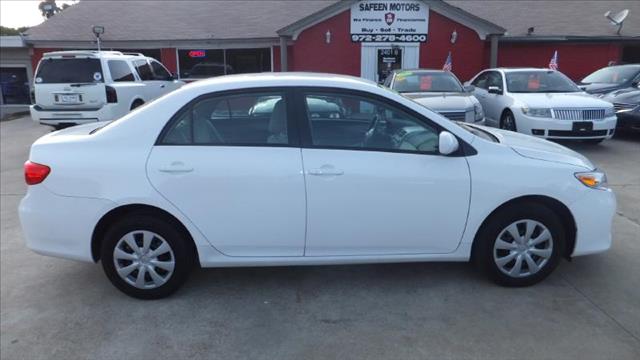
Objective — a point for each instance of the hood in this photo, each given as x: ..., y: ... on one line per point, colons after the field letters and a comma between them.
x: 628, y: 96
x: 598, y: 88
x: 560, y: 100
x: 439, y: 101
x: 540, y: 149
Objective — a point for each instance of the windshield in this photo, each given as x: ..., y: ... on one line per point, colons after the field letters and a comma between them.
x: 539, y: 82
x: 410, y: 81
x: 612, y: 75
x: 57, y: 71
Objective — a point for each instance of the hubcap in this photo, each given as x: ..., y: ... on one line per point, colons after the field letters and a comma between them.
x: 508, y: 123
x: 144, y: 259
x: 523, y: 248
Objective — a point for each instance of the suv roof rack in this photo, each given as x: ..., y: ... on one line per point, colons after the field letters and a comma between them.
x: 132, y: 54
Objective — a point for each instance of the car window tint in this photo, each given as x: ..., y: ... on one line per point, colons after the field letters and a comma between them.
x: 358, y: 122
x: 76, y: 70
x: 180, y: 132
x: 494, y: 79
x: 481, y: 81
x: 143, y: 69
x: 159, y: 71
x: 120, y: 71
x: 247, y: 119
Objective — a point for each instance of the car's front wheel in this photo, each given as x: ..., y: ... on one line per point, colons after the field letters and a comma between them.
x: 146, y: 257
x: 520, y: 245
x: 508, y: 121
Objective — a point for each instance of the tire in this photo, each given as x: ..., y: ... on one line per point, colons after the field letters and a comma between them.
x: 508, y: 121
x: 498, y: 261
x: 136, y: 104
x: 62, y: 126
x: 136, y: 264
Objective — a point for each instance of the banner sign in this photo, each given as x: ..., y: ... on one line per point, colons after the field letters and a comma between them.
x: 389, y: 21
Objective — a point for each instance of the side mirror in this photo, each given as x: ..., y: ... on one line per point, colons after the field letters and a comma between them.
x: 447, y: 143
x: 469, y: 88
x: 494, y: 90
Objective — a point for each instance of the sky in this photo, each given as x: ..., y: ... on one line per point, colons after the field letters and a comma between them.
x: 18, y: 13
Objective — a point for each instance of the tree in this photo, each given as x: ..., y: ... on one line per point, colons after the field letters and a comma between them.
x: 49, y: 8
x: 6, y: 31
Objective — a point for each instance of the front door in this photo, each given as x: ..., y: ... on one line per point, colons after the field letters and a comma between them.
x: 229, y: 162
x: 375, y: 182
x: 389, y: 59
x: 378, y: 60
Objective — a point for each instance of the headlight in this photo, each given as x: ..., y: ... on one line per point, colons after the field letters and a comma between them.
x: 537, y: 112
x: 593, y: 179
x: 609, y: 112
x: 478, y: 112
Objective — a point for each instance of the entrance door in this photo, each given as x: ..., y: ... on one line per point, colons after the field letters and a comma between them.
x: 378, y: 60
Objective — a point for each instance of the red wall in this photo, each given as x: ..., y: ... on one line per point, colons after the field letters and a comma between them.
x: 468, y: 55
x: 312, y: 53
x: 576, y: 60
x: 168, y: 58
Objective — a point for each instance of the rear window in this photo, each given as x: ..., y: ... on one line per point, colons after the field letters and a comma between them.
x: 56, y: 71
x: 120, y: 71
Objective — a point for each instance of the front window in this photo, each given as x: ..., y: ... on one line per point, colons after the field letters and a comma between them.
x: 355, y: 122
x: 159, y: 71
x: 408, y: 81
x: 539, y: 82
x: 204, y: 63
x: 613, y: 75
x: 144, y: 70
x: 73, y: 70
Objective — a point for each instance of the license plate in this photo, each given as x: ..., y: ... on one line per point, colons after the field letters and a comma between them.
x: 582, y: 126
x: 68, y: 98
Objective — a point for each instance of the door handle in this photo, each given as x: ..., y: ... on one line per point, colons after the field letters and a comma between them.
x: 176, y: 168
x: 325, y: 172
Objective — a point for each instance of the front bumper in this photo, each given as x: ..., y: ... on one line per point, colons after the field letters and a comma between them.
x: 593, y: 215
x: 563, y: 129
x: 60, y: 226
x: 73, y: 116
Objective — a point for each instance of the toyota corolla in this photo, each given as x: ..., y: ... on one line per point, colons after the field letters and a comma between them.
x: 306, y: 169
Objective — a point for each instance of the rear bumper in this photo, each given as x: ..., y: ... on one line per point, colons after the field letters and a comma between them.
x: 60, y: 226
x: 73, y: 116
x: 563, y: 129
x: 594, y: 221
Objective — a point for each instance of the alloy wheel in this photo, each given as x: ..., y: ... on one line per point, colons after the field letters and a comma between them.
x: 523, y: 248
x: 144, y: 259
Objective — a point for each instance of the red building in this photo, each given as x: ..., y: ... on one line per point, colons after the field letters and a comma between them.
x: 361, y: 38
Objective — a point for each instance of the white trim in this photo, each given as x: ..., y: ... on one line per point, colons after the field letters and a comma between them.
x: 271, y: 47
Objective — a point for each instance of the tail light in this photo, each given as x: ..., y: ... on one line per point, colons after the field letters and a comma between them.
x: 35, y: 173
x: 112, y: 95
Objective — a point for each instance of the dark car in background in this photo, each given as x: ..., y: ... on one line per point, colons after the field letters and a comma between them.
x: 611, y: 78
x: 626, y: 102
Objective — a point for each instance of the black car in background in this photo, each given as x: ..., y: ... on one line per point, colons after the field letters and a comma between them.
x: 626, y: 102
x: 611, y: 78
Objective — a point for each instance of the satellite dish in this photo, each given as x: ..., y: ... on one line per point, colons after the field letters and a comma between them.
x: 617, y: 19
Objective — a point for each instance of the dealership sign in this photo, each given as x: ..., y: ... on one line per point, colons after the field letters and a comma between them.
x: 389, y: 21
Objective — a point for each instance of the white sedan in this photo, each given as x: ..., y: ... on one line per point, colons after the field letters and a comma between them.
x: 304, y: 169
x: 543, y: 103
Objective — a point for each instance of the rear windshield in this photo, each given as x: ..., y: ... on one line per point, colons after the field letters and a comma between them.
x: 56, y: 71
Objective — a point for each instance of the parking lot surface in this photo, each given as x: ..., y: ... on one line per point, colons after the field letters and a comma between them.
x: 587, y: 309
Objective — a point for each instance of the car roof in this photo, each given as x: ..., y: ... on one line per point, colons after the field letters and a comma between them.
x: 280, y: 79
x: 95, y: 54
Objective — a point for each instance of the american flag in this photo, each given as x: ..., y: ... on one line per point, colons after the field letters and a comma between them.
x: 447, y: 64
x: 553, y: 64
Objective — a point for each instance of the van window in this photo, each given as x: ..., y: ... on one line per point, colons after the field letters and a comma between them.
x: 75, y: 70
x: 120, y: 71
x: 143, y: 69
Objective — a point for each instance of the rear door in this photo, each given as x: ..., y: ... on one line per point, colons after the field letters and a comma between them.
x: 230, y: 162
x: 70, y: 82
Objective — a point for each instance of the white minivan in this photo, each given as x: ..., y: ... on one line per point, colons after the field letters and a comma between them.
x: 83, y: 86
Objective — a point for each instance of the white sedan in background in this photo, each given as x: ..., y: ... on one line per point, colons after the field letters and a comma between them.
x: 306, y: 169
x: 543, y: 103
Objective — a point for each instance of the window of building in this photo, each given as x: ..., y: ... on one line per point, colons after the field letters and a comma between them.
x: 120, y: 71
x: 15, y: 85
x: 204, y: 63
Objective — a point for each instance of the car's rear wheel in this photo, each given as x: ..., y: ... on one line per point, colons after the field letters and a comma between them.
x: 146, y: 257
x: 136, y: 104
x: 508, y: 121
x: 520, y: 245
